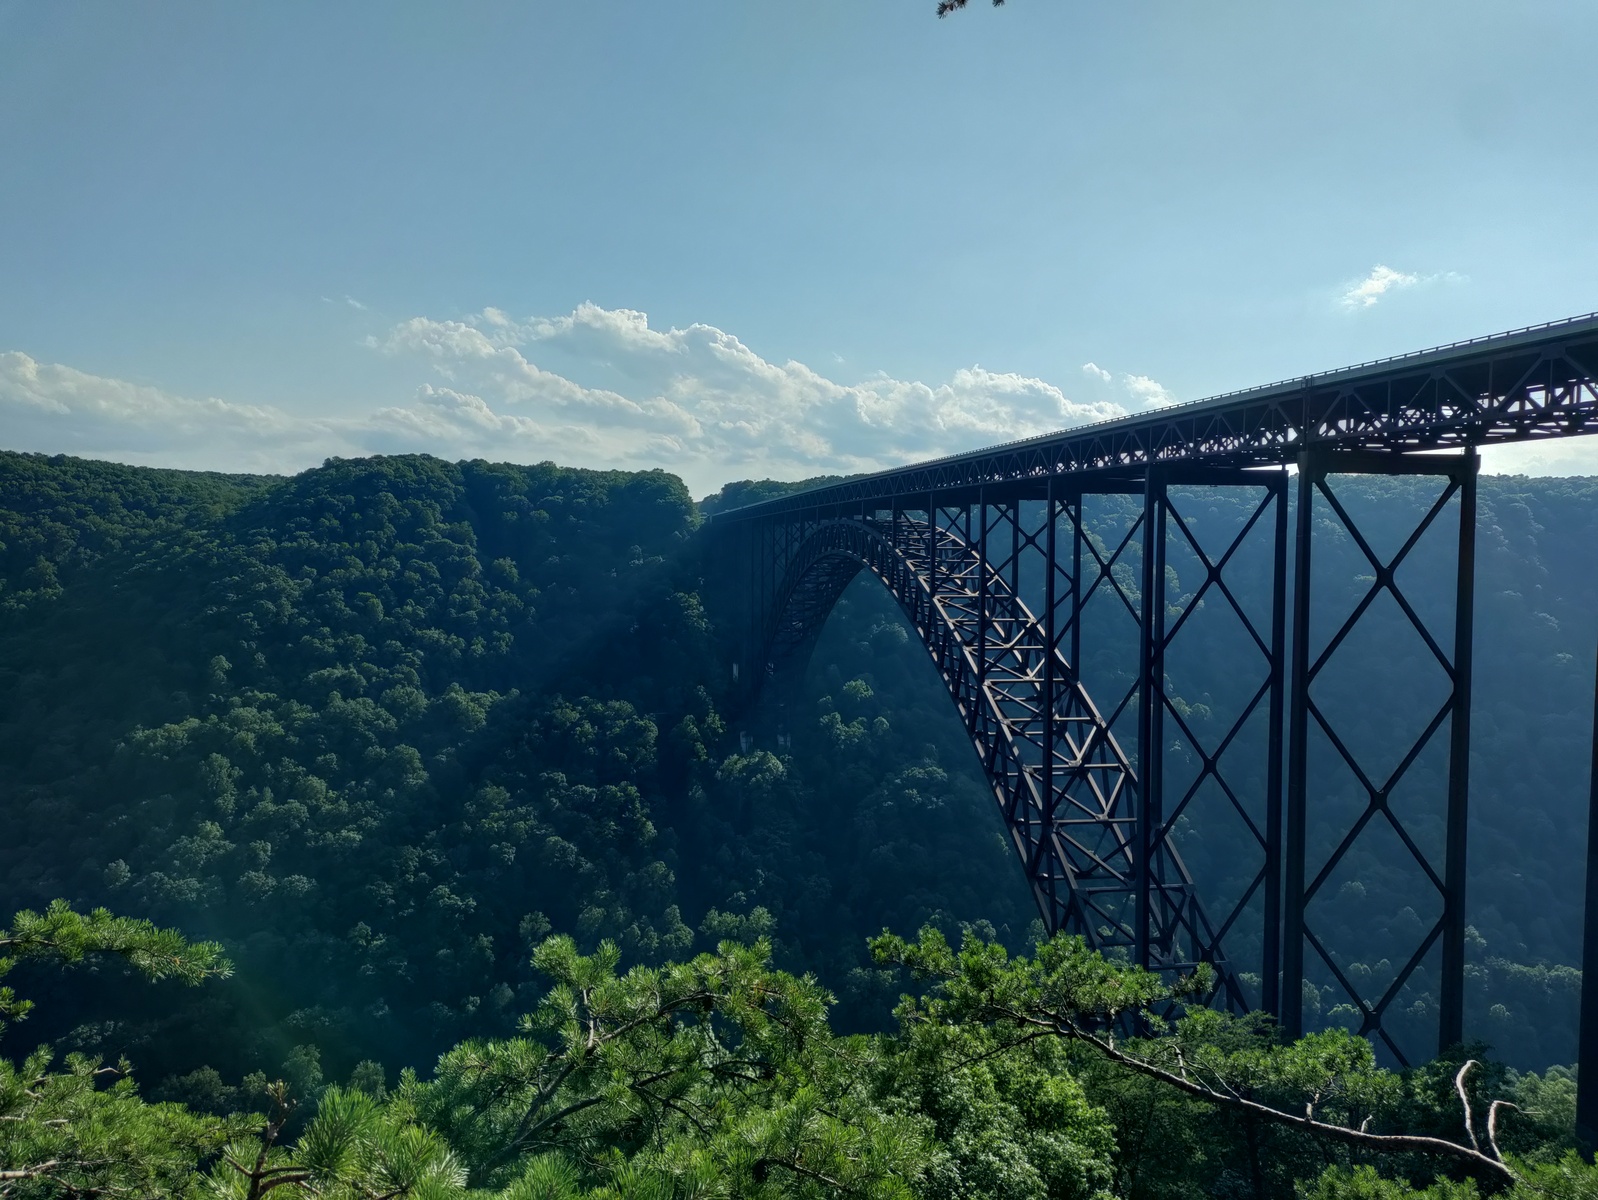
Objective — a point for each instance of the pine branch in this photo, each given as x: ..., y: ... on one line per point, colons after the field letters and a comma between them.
x: 945, y: 7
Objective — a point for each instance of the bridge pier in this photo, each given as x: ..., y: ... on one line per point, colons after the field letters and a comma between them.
x: 1165, y: 619
x: 1151, y: 719
x: 1459, y: 475
x: 1587, y: 1047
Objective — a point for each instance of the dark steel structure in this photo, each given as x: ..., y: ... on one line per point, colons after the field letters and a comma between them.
x: 993, y: 560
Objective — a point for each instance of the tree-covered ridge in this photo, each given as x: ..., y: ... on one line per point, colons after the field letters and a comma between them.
x: 341, y: 729
x: 62, y: 514
x: 383, y: 727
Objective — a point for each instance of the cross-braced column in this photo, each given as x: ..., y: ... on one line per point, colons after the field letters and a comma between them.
x: 1226, y: 754
x: 1311, y: 724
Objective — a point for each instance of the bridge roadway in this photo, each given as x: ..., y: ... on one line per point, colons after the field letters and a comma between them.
x: 1536, y: 382
x: 992, y: 558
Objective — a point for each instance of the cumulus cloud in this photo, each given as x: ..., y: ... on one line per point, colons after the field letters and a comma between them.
x: 1146, y: 392
x: 699, y: 401
x: 1133, y: 393
x: 1382, y: 279
x: 695, y: 400
x: 46, y: 406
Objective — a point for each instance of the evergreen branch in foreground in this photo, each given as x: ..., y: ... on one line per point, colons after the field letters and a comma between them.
x: 1071, y: 992
x: 62, y: 935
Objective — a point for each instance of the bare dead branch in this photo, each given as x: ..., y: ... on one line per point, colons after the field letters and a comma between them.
x: 1464, y: 1101
x: 1492, y: 1125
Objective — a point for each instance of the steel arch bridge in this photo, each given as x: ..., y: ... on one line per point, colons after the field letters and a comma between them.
x: 993, y: 557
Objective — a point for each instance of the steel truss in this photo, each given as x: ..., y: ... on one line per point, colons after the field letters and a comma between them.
x: 998, y: 605
x: 1099, y: 843
x: 1064, y: 786
x: 1163, y: 721
x: 1447, y: 877
x: 957, y: 542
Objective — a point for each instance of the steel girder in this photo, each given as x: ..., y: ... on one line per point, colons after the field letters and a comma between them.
x: 1097, y: 829
x: 1540, y: 382
x: 1066, y: 790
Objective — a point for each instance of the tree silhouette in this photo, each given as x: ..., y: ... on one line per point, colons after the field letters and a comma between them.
x: 945, y: 7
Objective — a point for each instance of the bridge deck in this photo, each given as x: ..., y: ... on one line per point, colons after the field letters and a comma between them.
x: 1537, y: 382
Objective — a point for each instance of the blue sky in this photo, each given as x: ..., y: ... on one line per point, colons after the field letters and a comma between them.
x: 736, y: 238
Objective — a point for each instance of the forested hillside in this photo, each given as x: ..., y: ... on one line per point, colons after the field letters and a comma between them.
x: 383, y: 728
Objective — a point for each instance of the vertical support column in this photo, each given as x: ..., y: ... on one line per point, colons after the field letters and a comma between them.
x: 1292, y: 998
x: 896, y: 535
x: 932, y: 589
x: 1451, y: 1007
x: 1587, y: 1051
x: 762, y: 562
x: 1015, y: 548
x: 1271, y: 965
x: 1050, y: 686
x: 1151, y: 714
x: 982, y: 590
x: 1076, y: 584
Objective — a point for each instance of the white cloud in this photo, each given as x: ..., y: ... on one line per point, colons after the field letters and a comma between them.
x: 699, y: 401
x: 1136, y: 392
x: 694, y: 400
x: 46, y: 406
x: 1146, y: 392
x: 1364, y: 293
x: 1381, y: 280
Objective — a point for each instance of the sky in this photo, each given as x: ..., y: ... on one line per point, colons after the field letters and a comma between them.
x: 744, y: 238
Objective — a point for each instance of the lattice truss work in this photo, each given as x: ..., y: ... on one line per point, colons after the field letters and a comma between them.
x: 1442, y: 867
x: 998, y: 601
x: 1232, y: 763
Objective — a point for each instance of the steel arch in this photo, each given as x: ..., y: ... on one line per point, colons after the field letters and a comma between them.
x: 1066, y: 790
